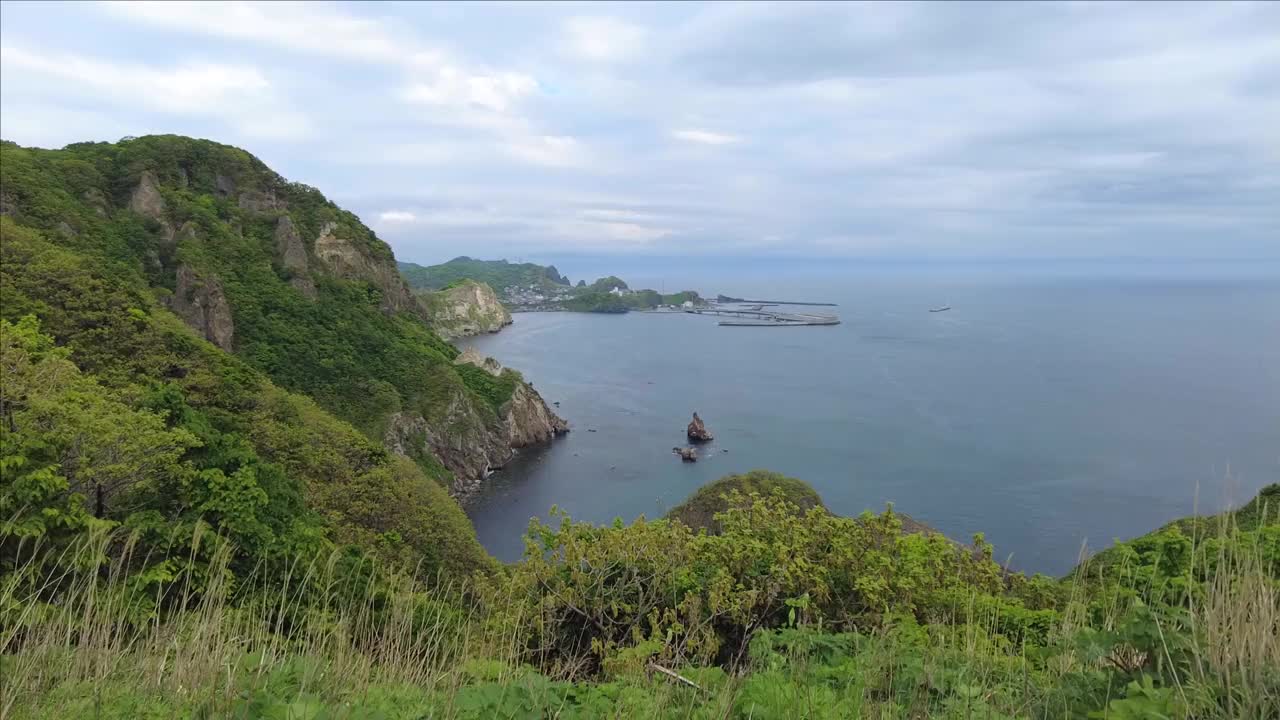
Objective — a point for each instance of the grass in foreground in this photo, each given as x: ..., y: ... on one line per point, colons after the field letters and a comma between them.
x: 339, y: 638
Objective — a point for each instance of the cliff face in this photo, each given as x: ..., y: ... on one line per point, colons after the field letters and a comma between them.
x: 295, y: 286
x: 346, y: 259
x: 471, y: 441
x: 529, y: 420
x: 464, y: 309
x: 526, y: 419
x: 202, y: 304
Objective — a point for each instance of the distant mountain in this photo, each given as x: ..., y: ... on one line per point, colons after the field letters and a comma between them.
x: 498, y: 274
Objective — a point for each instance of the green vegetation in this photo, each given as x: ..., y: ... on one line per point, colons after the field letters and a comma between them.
x: 341, y: 348
x: 498, y: 274
x: 605, y: 284
x: 125, y: 418
x: 699, y: 510
x: 244, y: 449
x: 495, y: 390
x: 187, y: 531
x: 597, y: 302
x: 607, y: 302
x: 784, y: 613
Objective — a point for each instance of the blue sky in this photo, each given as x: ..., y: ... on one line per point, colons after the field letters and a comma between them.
x: 543, y: 131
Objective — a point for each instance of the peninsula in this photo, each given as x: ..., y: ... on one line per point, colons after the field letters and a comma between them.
x: 527, y: 287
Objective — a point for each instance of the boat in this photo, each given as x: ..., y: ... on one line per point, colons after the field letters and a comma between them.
x: 944, y: 308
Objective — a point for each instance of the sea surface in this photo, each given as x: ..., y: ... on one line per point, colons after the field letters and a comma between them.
x: 1045, y: 411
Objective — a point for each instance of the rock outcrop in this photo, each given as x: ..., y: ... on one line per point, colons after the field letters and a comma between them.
x: 342, y: 257
x: 457, y: 436
x: 697, y: 431
x: 472, y: 356
x: 526, y: 417
x: 293, y: 256
x: 464, y: 309
x: 261, y: 201
x: 687, y: 454
x: 202, y: 304
x: 529, y: 421
x: 469, y: 445
x: 223, y: 185
x: 97, y: 200
x: 147, y: 201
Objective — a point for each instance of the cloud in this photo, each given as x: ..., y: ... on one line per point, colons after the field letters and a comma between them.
x: 705, y: 137
x: 550, y: 150
x: 237, y: 94
x: 602, y: 39
x: 396, y: 216
x: 438, y: 81
x: 978, y: 130
x: 306, y: 27
x: 433, y: 76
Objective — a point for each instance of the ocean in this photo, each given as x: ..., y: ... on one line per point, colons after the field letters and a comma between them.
x: 1047, y: 411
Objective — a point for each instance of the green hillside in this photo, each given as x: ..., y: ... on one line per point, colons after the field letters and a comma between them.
x: 498, y: 274
x: 192, y: 283
x: 297, y: 288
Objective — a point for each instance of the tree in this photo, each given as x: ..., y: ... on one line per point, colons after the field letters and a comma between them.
x: 72, y: 452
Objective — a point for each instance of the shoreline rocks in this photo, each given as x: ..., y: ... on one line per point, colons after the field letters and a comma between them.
x: 687, y: 454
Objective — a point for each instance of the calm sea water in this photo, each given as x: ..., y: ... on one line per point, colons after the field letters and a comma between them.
x: 1043, y: 411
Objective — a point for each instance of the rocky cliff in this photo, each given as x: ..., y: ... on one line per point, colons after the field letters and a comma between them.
x: 465, y: 308
x: 474, y: 440
x: 525, y: 415
x: 297, y: 287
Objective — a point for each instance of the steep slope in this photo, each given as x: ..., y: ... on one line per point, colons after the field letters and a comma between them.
x: 464, y: 308
x: 496, y: 273
x: 273, y: 272
x: 270, y: 468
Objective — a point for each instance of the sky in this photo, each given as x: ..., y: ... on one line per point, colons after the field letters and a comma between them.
x: 892, y: 131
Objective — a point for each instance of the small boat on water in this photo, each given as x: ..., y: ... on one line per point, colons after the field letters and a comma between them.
x: 944, y: 308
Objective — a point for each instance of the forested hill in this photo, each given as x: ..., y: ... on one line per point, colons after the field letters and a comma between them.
x: 498, y: 274
x: 120, y: 260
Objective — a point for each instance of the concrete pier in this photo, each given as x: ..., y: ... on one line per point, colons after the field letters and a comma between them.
x: 758, y: 317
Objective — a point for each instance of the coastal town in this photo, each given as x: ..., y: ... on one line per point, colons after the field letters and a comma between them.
x: 534, y: 296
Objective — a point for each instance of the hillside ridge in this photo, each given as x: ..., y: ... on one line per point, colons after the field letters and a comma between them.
x: 275, y: 273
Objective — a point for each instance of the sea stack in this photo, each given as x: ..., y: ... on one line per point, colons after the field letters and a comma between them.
x: 687, y: 454
x: 697, y: 432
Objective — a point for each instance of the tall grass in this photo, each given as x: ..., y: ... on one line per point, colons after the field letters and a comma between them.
x: 114, y: 633
x: 193, y: 631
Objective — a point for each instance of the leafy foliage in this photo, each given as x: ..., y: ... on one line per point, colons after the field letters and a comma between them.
x: 699, y: 510
x: 167, y: 427
x: 351, y: 641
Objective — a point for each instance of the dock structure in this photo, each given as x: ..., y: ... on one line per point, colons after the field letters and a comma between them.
x: 757, y: 317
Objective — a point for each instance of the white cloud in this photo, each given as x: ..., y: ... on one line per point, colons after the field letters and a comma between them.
x: 237, y: 94
x: 308, y: 27
x: 449, y: 86
x: 551, y: 150
x: 705, y: 137
x: 432, y: 77
x: 615, y: 214
x: 397, y: 216
x: 602, y: 39
x: 608, y: 235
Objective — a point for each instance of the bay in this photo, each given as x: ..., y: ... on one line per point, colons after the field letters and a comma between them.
x: 1044, y: 411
